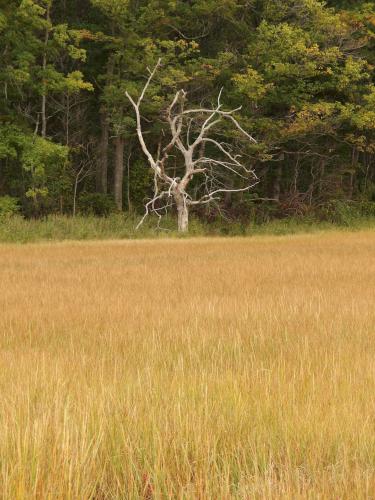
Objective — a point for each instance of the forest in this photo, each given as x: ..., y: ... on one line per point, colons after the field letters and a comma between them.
x: 233, y: 109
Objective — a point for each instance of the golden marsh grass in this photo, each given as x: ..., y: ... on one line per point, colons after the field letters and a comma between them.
x: 189, y: 369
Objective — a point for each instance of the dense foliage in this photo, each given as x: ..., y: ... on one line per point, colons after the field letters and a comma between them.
x: 302, y: 70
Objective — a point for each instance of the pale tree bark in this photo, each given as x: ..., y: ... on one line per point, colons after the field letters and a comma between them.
x: 119, y: 171
x: 191, y: 130
x: 182, y: 213
x: 296, y: 175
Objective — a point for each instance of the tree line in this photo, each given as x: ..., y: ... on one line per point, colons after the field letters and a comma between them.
x: 277, y: 98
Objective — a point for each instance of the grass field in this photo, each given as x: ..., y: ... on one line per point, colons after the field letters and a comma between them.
x: 123, y: 226
x: 197, y: 369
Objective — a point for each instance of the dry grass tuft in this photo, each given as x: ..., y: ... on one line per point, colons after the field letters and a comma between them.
x: 197, y: 369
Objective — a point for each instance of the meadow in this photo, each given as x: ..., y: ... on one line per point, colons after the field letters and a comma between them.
x: 202, y: 368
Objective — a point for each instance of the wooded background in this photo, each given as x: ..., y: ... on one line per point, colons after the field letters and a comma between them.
x: 302, y: 70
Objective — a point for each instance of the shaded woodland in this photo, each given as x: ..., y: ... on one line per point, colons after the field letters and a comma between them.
x: 298, y: 73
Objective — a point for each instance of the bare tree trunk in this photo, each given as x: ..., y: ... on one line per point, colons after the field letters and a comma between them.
x: 130, y: 207
x: 44, y: 66
x: 44, y: 119
x: 351, y: 186
x: 182, y: 213
x: 75, y: 194
x: 355, y: 156
x: 228, y: 195
x: 296, y: 175
x: 321, y: 176
x: 67, y: 120
x: 277, y: 182
x: 119, y: 171
x: 367, y: 163
x: 183, y: 218
x: 102, y: 165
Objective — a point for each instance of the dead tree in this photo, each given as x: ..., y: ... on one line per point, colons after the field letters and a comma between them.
x: 191, y: 133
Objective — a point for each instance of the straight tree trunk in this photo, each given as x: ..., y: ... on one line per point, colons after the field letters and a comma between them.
x: 277, y: 182
x: 182, y: 214
x: 321, y: 176
x: 44, y: 66
x: 44, y: 118
x: 228, y: 195
x: 119, y: 171
x: 75, y: 196
x: 102, y: 164
x: 67, y: 119
x: 130, y: 207
x: 355, y: 157
x: 296, y: 175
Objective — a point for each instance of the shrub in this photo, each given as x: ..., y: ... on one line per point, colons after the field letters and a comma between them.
x: 347, y: 213
x: 8, y: 206
x: 367, y: 208
x: 98, y: 204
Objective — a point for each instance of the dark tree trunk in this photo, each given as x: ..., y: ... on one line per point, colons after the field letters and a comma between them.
x: 119, y: 171
x: 321, y: 176
x: 355, y: 157
x: 296, y: 175
x: 228, y: 195
x: 44, y: 66
x: 277, y: 182
x: 102, y: 164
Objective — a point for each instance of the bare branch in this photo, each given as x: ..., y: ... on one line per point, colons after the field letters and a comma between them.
x: 182, y: 124
x: 136, y: 106
x: 210, y: 196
